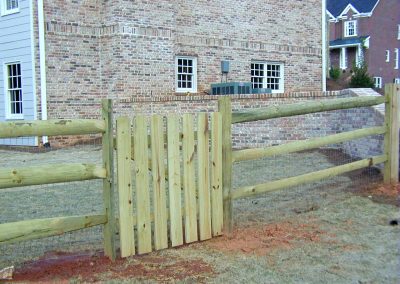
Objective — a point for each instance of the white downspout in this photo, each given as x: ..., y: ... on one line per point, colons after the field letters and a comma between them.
x: 42, y: 64
x: 324, y: 45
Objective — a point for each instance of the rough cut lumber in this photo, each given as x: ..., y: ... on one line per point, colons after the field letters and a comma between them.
x: 53, y: 173
x: 174, y: 181
x: 225, y: 108
x: 305, y: 108
x: 216, y: 174
x: 41, y: 228
x: 51, y: 127
x: 251, y: 154
x: 203, y: 177
x: 189, y: 179
x: 124, y: 182
x: 142, y: 186
x: 391, y: 140
x: 159, y: 191
x: 109, y: 230
x: 306, y: 178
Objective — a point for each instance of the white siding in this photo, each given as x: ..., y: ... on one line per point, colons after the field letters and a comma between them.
x: 16, y: 46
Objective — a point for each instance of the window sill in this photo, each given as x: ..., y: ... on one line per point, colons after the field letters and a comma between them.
x: 11, y: 118
x: 9, y: 12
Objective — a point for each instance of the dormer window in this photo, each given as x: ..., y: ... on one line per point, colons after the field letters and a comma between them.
x: 350, y: 28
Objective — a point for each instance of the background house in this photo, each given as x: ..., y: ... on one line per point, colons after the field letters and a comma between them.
x: 366, y: 30
x: 60, y: 58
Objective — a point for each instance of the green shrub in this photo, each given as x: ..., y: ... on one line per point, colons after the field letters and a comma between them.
x: 360, y: 77
x: 334, y: 73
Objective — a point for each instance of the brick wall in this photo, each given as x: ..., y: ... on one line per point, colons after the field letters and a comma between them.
x: 126, y: 49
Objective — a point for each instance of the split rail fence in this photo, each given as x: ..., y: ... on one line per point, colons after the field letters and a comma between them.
x: 183, y: 178
x: 390, y: 155
x: 60, y: 173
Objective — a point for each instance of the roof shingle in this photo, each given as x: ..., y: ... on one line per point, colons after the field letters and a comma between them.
x: 336, y: 7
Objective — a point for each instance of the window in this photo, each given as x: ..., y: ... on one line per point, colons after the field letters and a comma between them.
x: 350, y: 28
x: 378, y: 82
x: 13, y: 87
x: 186, y: 74
x: 268, y: 75
x: 397, y: 80
x: 398, y: 32
x: 387, y: 55
x: 396, y: 58
x: 9, y: 7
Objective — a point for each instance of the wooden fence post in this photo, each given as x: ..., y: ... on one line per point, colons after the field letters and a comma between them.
x: 109, y: 230
x: 391, y: 140
x: 225, y: 108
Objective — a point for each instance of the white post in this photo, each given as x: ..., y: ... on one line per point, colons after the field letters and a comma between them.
x: 343, y: 58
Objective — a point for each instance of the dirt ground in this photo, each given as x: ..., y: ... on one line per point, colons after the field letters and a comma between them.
x: 341, y: 230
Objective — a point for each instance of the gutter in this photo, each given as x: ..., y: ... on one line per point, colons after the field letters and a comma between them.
x: 324, y: 49
x: 42, y: 64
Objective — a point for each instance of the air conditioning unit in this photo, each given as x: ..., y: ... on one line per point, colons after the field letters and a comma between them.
x: 231, y: 88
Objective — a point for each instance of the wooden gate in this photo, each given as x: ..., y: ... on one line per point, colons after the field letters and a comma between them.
x: 169, y: 180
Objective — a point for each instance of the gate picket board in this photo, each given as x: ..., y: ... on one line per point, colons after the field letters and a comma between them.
x: 176, y: 207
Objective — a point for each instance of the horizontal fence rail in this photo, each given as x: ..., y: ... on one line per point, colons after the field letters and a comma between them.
x: 286, y: 110
x: 306, y: 178
x: 54, y: 173
x: 51, y: 127
x: 41, y: 228
x: 251, y: 154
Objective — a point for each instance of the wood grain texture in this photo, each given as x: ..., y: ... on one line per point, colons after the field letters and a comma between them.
x: 159, y: 190
x: 142, y: 185
x: 189, y: 179
x: 124, y: 182
x: 203, y: 177
x: 110, y: 228
x: 306, y: 178
x: 42, y: 228
x: 51, y: 127
x: 225, y: 108
x: 216, y: 174
x: 174, y: 181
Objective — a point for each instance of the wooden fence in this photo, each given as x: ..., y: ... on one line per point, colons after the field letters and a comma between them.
x: 168, y: 195
x: 45, y: 174
x: 390, y: 155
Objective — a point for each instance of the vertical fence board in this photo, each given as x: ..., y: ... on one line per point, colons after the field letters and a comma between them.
x: 216, y: 174
x: 394, y: 135
x: 142, y: 185
x: 387, y: 137
x: 225, y: 108
x: 189, y: 179
x: 124, y: 178
x: 109, y: 230
x: 203, y: 177
x: 159, y: 196
x: 174, y: 181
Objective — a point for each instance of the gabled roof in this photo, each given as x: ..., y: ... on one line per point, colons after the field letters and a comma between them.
x: 336, y: 7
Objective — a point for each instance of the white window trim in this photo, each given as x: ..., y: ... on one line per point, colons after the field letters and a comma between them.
x: 387, y: 55
x: 397, y: 81
x: 4, y: 11
x: 193, y: 89
x: 282, y: 77
x: 378, y: 82
x: 346, y: 28
x: 396, y: 58
x: 398, y: 32
x: 8, y: 113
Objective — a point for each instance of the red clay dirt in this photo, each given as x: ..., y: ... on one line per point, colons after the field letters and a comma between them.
x: 62, y: 267
x: 382, y: 193
x: 260, y: 240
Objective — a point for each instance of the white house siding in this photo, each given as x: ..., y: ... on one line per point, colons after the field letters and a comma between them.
x: 16, y: 46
